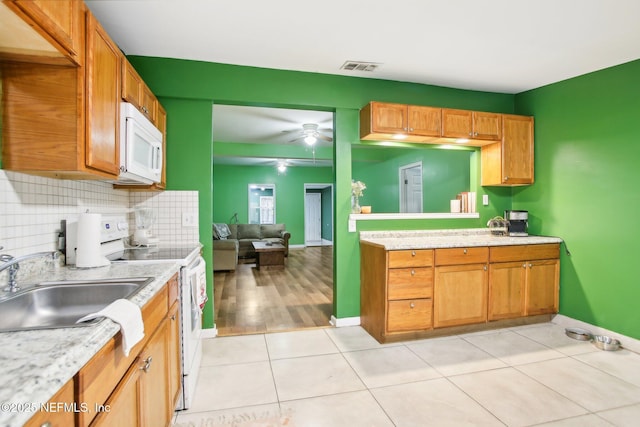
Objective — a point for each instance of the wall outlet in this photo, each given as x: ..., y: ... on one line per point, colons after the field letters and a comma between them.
x: 189, y: 219
x: 485, y: 200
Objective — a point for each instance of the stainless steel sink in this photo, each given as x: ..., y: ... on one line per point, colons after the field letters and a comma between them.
x: 60, y: 304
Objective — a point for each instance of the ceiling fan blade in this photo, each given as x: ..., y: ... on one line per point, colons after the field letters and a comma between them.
x: 296, y: 139
x: 324, y: 138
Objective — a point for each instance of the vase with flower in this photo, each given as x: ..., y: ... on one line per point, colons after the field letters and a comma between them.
x: 357, y: 189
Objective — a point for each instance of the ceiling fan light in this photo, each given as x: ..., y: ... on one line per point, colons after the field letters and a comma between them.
x: 282, y: 167
x: 310, y: 139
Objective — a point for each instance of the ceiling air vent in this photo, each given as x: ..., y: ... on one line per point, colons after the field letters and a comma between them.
x: 360, y: 66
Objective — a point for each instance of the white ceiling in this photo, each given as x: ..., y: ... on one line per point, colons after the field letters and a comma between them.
x: 493, y: 45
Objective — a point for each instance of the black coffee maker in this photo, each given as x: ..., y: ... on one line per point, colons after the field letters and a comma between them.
x: 518, y: 223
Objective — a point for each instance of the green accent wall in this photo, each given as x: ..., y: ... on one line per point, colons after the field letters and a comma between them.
x: 230, y: 193
x: 189, y: 154
x: 587, y: 148
x: 198, y: 83
x: 445, y: 173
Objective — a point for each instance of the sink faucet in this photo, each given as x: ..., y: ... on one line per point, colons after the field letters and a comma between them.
x: 13, y: 265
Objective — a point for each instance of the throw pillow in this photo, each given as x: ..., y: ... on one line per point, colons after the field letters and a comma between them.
x: 222, y: 230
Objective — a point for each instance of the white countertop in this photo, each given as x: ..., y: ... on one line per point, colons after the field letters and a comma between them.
x: 455, y: 238
x: 34, y: 365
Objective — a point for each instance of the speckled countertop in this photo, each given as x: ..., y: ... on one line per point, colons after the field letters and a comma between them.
x: 35, y: 364
x: 455, y: 238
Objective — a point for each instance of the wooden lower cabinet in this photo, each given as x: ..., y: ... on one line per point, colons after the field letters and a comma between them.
x: 507, y: 290
x: 524, y: 281
x: 138, y: 389
x: 396, y: 291
x: 154, y: 380
x: 460, y: 295
x: 422, y: 292
x: 123, y: 403
x: 57, y: 416
x: 542, y: 287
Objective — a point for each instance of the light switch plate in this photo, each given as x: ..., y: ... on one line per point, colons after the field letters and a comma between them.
x: 485, y: 200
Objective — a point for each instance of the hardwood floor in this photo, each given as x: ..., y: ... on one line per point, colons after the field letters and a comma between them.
x: 250, y: 301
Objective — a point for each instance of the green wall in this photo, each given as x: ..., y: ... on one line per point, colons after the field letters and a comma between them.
x: 189, y: 154
x: 230, y: 184
x: 587, y: 148
x: 445, y: 173
x: 200, y: 82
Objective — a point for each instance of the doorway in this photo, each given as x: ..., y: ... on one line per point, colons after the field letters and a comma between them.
x: 318, y: 214
x: 410, y: 181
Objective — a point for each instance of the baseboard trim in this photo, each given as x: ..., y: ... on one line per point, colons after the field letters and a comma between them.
x: 209, y: 333
x: 297, y: 246
x: 344, y: 321
x: 568, y: 322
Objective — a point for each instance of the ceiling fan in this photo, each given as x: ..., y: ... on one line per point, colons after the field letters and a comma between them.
x: 310, y: 134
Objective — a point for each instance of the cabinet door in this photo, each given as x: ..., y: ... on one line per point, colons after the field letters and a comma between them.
x: 506, y: 290
x: 173, y: 354
x: 131, y: 84
x: 460, y: 295
x: 517, y: 149
x: 60, y: 19
x: 542, y: 287
x: 149, y: 103
x: 103, y: 100
x: 388, y: 118
x: 154, y: 380
x: 456, y: 123
x: 60, y: 418
x: 122, y: 407
x: 426, y: 121
x: 487, y: 126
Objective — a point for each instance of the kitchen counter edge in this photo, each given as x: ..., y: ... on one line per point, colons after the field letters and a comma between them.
x: 435, y: 239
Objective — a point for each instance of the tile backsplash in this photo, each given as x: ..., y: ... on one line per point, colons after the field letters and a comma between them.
x: 32, y: 208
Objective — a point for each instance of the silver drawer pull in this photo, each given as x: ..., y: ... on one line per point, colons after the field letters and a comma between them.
x: 412, y: 305
x: 413, y: 253
x: 524, y: 265
x: 413, y: 272
x: 464, y: 251
x: 147, y: 364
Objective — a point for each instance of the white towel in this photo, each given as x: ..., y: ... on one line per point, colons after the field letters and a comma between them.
x: 128, y: 316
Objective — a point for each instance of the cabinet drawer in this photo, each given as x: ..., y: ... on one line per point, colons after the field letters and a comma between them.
x: 411, y: 258
x: 404, y: 283
x: 409, y: 315
x: 456, y: 256
x: 524, y: 252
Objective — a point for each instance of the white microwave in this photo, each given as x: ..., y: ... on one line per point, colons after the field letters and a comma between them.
x: 141, y: 153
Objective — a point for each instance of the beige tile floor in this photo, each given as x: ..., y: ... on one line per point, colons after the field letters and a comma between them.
x: 525, y: 376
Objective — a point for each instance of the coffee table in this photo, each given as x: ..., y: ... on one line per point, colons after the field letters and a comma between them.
x: 269, y: 256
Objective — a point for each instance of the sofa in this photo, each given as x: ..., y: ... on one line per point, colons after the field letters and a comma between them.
x: 233, y: 241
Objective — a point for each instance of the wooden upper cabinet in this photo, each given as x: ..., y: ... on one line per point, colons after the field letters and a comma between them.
x: 510, y: 162
x: 411, y: 123
x: 103, y: 100
x: 135, y: 91
x: 456, y: 123
x: 487, y: 126
x: 384, y: 118
x: 426, y: 121
x: 471, y: 124
x: 58, y: 21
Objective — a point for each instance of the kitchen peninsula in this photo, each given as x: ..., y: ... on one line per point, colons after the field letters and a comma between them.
x: 416, y: 284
